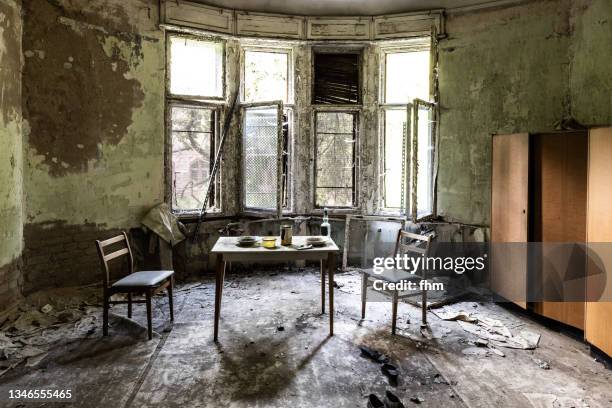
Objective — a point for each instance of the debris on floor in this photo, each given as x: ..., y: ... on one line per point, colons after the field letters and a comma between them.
x: 491, y: 333
x: 43, y: 319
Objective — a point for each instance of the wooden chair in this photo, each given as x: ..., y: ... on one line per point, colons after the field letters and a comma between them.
x: 147, y: 282
x: 411, y: 245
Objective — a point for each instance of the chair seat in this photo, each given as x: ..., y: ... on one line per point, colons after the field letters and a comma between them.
x: 143, y: 278
x: 392, y: 275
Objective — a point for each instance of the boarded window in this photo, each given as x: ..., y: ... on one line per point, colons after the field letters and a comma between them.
x: 193, y: 139
x: 335, y: 159
x: 336, y: 78
x: 266, y: 76
x: 196, y: 67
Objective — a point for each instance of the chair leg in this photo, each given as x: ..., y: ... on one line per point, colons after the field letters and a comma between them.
x: 129, y: 305
x: 170, y: 300
x: 149, y: 316
x: 105, y: 307
x: 394, y: 312
x: 364, y: 293
x: 424, y: 301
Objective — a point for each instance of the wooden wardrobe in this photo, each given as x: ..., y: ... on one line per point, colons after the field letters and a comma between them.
x: 554, y: 188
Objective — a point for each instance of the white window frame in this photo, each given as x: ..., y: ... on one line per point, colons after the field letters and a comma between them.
x: 245, y: 210
x: 411, y: 170
x: 356, y: 111
x: 290, y: 71
x: 215, y: 206
x: 169, y: 93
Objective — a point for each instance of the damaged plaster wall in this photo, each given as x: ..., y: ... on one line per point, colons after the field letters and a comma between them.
x: 501, y: 71
x: 11, y: 174
x: 516, y: 69
x: 93, y: 103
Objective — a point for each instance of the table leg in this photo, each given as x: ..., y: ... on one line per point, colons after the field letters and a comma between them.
x: 220, y: 275
x: 331, y: 265
x: 322, y: 286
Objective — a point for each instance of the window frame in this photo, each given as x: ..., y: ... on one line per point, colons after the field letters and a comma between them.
x: 257, y: 211
x: 433, y: 107
x: 405, y: 210
x: 216, y: 206
x: 419, y: 44
x: 356, y: 112
x: 415, y: 45
x: 273, y: 50
x: 222, y: 42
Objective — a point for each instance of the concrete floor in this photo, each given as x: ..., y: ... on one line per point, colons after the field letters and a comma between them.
x: 257, y: 364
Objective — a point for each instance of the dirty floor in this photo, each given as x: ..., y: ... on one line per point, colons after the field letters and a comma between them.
x: 274, y: 351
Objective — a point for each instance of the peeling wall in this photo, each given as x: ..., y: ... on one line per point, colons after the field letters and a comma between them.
x: 591, y: 73
x: 11, y: 175
x: 93, y: 97
x: 516, y: 69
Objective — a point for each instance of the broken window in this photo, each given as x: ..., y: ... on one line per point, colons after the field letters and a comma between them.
x: 335, y: 159
x: 263, y: 157
x: 266, y: 76
x: 193, y: 144
x: 196, y: 67
x: 336, y: 78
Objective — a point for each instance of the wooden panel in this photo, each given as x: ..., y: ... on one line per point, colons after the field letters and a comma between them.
x: 263, y: 25
x: 406, y: 25
x: 189, y: 14
x: 354, y: 28
x: 559, y: 177
x: 598, y: 325
x: 509, y: 200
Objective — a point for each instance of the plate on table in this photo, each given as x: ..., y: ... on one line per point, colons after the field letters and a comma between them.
x: 316, y: 241
x: 246, y: 241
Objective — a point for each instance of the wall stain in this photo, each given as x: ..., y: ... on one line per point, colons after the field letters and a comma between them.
x: 78, y: 96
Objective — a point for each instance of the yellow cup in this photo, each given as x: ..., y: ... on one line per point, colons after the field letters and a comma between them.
x: 269, y: 242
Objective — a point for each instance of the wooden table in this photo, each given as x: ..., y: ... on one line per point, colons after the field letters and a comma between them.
x: 226, y: 250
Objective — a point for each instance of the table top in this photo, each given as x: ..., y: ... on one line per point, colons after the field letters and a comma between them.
x: 228, y: 245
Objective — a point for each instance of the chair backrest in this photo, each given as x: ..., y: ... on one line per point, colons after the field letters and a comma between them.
x: 106, y: 257
x: 412, y: 244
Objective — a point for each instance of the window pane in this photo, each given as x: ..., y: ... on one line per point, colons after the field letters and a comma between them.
x: 265, y: 76
x: 425, y: 158
x: 394, y: 156
x: 260, y: 157
x: 406, y: 76
x: 196, y: 67
x: 192, y: 134
x: 335, y: 141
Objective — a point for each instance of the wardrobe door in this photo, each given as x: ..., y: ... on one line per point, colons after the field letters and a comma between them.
x: 509, y: 212
x: 598, y: 327
x: 559, y: 180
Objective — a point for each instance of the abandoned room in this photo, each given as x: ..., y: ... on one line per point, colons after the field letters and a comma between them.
x: 306, y: 203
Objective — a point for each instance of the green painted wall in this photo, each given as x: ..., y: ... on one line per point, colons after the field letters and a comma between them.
x: 591, y: 69
x: 501, y: 71
x: 93, y: 91
x: 11, y: 175
x: 517, y: 69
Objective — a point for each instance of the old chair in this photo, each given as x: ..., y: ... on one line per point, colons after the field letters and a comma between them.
x: 147, y: 282
x: 411, y: 245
